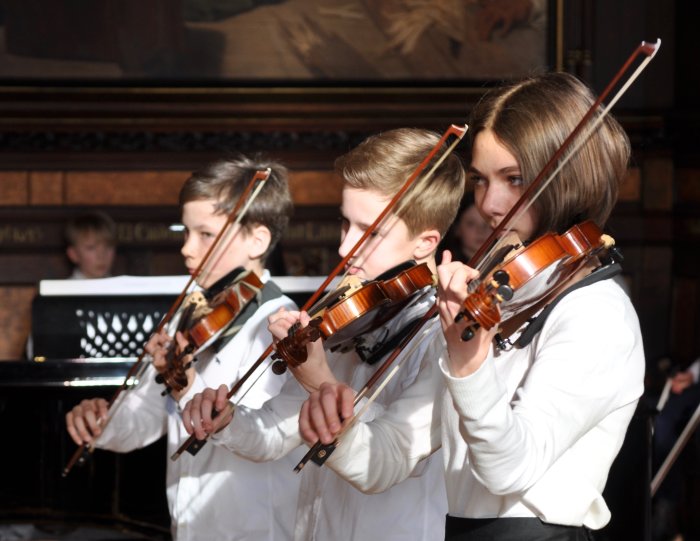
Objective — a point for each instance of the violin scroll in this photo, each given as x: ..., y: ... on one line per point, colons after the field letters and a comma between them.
x: 482, y: 305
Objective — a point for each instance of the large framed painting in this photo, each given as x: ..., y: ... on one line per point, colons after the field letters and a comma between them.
x: 299, y: 76
x: 290, y: 42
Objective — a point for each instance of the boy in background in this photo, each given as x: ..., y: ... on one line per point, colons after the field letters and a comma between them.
x: 216, y: 494
x: 91, y: 240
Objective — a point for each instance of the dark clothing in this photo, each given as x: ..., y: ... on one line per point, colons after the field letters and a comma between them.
x: 511, y: 529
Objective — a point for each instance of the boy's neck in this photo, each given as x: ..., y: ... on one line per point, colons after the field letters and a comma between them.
x: 256, y: 266
x: 432, y: 265
x: 226, y: 280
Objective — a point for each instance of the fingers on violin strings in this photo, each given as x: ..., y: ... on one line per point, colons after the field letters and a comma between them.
x: 280, y: 322
x: 446, y: 257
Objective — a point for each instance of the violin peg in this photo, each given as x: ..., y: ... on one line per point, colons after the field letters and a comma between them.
x: 505, y: 292
x: 279, y: 367
x: 501, y: 277
x: 469, y: 332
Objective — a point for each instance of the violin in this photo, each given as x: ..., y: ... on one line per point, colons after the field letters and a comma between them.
x: 350, y: 316
x: 532, y: 274
x: 201, y: 333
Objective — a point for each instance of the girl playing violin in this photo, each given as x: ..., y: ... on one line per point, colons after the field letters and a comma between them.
x: 329, y: 507
x: 215, y: 495
x: 529, y: 430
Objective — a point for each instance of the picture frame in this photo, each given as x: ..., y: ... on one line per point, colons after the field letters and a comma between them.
x: 123, y: 65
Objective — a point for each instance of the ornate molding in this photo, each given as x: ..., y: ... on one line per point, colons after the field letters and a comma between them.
x: 176, y: 142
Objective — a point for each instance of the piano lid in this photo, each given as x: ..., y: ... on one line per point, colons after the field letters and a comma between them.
x: 65, y: 373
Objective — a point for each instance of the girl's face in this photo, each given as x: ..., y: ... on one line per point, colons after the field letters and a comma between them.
x: 498, y: 184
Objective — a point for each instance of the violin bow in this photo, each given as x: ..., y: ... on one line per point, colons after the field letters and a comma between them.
x: 319, y: 452
x: 537, y: 186
x: 250, y: 192
x: 192, y: 444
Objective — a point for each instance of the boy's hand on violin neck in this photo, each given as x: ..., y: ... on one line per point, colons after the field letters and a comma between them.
x: 207, y: 412
x: 321, y: 416
x: 281, y: 321
x: 158, y: 344
x: 312, y: 373
x: 186, y: 360
x: 315, y: 370
x: 84, y: 420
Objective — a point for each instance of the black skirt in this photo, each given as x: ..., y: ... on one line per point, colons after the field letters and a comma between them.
x: 511, y: 529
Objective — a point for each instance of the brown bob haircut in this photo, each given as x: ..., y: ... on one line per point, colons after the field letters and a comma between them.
x: 532, y: 118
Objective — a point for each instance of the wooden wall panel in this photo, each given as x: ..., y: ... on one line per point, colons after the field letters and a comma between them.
x: 631, y: 187
x: 15, y: 318
x: 124, y: 187
x: 46, y: 187
x: 658, y: 183
x: 14, y: 188
x: 688, y: 186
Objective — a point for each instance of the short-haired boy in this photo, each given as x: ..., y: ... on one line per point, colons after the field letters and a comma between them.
x: 91, y: 238
x: 329, y: 507
x: 215, y: 495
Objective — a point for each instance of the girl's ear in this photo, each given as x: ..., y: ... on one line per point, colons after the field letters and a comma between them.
x: 426, y: 244
x: 259, y: 241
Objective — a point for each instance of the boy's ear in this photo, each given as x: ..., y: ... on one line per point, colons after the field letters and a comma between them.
x: 259, y: 238
x: 426, y: 244
x: 72, y: 254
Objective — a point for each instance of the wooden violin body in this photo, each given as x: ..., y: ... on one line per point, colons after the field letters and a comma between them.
x: 354, y: 314
x: 531, y: 274
x: 225, y: 308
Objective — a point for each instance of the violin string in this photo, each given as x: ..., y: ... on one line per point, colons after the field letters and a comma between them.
x: 581, y: 140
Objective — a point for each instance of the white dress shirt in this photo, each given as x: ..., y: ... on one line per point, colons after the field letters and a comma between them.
x: 329, y: 508
x: 534, y: 431
x: 214, y: 495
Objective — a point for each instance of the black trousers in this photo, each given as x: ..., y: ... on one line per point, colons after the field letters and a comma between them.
x: 511, y: 529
